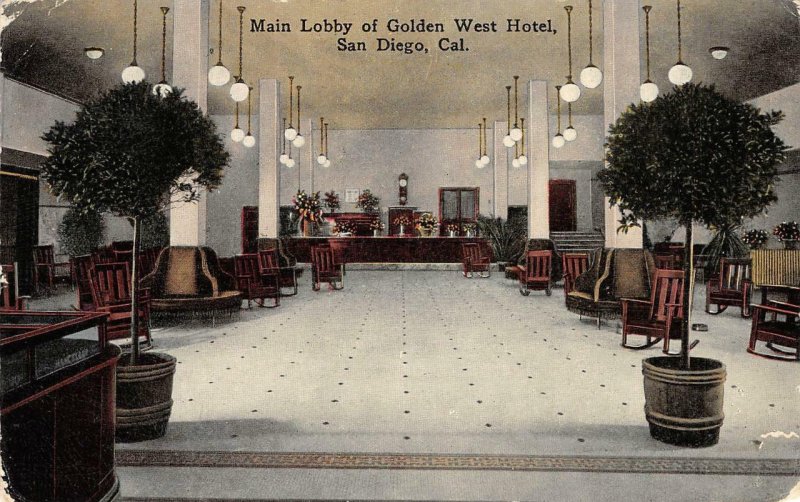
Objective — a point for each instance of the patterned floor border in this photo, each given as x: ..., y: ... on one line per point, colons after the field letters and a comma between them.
x: 469, y: 462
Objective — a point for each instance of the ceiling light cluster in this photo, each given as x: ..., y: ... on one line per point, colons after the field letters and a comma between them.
x: 322, y: 158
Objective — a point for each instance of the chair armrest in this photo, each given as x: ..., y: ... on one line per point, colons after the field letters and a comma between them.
x: 779, y: 310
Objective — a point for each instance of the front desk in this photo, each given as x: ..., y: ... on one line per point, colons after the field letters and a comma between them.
x: 390, y: 249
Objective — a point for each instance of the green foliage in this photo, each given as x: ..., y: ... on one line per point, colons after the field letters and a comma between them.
x: 725, y: 243
x: 692, y: 155
x: 80, y: 233
x: 155, y: 231
x: 507, y: 236
x: 128, y: 150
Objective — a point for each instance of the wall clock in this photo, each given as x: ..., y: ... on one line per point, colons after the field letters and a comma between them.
x: 402, y: 182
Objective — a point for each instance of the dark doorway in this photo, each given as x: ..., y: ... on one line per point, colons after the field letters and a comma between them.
x: 19, y: 220
x: 249, y: 229
x: 563, y: 217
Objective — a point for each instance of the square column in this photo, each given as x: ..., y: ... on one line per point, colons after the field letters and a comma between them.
x: 190, y: 71
x: 537, y: 142
x: 621, y: 80
x: 500, y: 165
x: 269, y: 147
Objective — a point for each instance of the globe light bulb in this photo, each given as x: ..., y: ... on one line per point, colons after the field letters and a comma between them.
x: 299, y: 141
x: 289, y: 162
x: 237, y: 135
x: 290, y: 133
x: 523, y: 160
x: 479, y: 164
x: 648, y: 91
x: 591, y: 76
x: 508, y: 141
x: 162, y: 89
x: 516, y: 134
x: 283, y: 158
x: 680, y: 74
x: 558, y: 140
x: 515, y: 163
x: 570, y: 133
x: 321, y: 159
x: 132, y: 74
x: 570, y: 92
x: 328, y: 163
x: 485, y: 160
x: 249, y: 141
x: 239, y: 91
x: 218, y: 75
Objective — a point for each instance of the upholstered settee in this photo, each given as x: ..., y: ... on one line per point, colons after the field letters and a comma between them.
x: 613, y: 274
x: 188, y: 281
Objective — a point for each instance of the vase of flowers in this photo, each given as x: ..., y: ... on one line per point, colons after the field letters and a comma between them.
x: 469, y: 229
x: 376, y: 226
x: 309, y: 210
x: 332, y: 201
x: 426, y: 223
x: 755, y: 239
x: 452, y: 230
x: 788, y: 233
x: 368, y: 201
x: 402, y: 222
x: 342, y: 228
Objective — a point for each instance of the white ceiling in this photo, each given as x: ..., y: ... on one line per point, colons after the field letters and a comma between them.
x: 389, y: 90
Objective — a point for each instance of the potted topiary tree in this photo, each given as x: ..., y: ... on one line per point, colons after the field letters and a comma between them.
x: 699, y: 157
x: 80, y: 232
x: 131, y: 152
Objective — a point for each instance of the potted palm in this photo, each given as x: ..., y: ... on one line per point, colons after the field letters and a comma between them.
x: 701, y: 158
x: 132, y: 153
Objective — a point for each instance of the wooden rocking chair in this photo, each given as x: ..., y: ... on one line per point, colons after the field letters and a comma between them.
x: 536, y: 274
x: 110, y: 283
x: 658, y: 319
x: 573, y: 265
x: 776, y: 323
x: 731, y: 287
x: 257, y: 283
x: 325, y: 268
x: 474, y: 261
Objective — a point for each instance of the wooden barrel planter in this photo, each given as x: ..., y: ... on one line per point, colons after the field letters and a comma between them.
x: 684, y: 407
x: 144, y: 397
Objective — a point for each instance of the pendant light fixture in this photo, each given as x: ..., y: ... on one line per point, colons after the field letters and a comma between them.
x: 570, y: 134
x: 485, y: 157
x: 516, y: 133
x: 523, y: 159
x: 290, y: 161
x: 591, y: 76
x: 283, y: 158
x: 237, y: 134
x: 648, y: 91
x: 219, y: 75
x: 327, y: 157
x: 291, y: 132
x: 298, y: 140
x: 133, y: 73
x: 479, y: 161
x: 558, y: 139
x: 163, y: 88
x: 508, y: 141
x: 321, y: 158
x: 240, y: 90
x: 680, y: 73
x: 249, y: 141
x: 515, y: 162
x: 570, y: 92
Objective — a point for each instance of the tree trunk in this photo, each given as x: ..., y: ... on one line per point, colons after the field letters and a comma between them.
x: 688, y: 275
x: 135, y: 292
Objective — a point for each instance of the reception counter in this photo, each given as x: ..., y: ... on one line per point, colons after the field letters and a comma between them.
x: 390, y: 249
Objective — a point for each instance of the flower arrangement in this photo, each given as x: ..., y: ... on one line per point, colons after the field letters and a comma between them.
x: 469, y: 228
x: 427, y: 221
x: 342, y: 227
x: 787, y: 231
x: 308, y: 207
x: 376, y: 225
x: 332, y: 201
x: 368, y: 201
x: 755, y: 238
x: 402, y: 220
x: 452, y: 227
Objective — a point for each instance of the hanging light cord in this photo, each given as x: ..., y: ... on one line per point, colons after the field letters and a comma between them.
x: 516, y: 101
x: 646, y: 9
x: 322, y: 135
x: 480, y: 140
x: 135, y: 33
x: 219, y: 50
x: 241, y: 28
x: 568, y: 8
x: 298, y: 109
x: 237, y: 116
x: 680, y: 50
x: 591, y: 46
x: 283, y: 148
x: 249, y: 110
x: 326, y: 139
x: 558, y: 107
x: 522, y: 126
x: 569, y: 113
x: 164, y: 11
x: 485, y: 149
x: 508, y: 115
x: 291, y: 100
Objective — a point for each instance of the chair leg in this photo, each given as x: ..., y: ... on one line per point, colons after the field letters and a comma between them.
x: 524, y: 291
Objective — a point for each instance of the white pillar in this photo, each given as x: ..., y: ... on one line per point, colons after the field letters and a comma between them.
x: 189, y: 71
x: 621, y: 80
x: 269, y: 171
x: 500, y: 165
x: 538, y: 145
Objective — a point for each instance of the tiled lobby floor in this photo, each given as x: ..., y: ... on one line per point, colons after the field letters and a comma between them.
x: 430, y: 362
